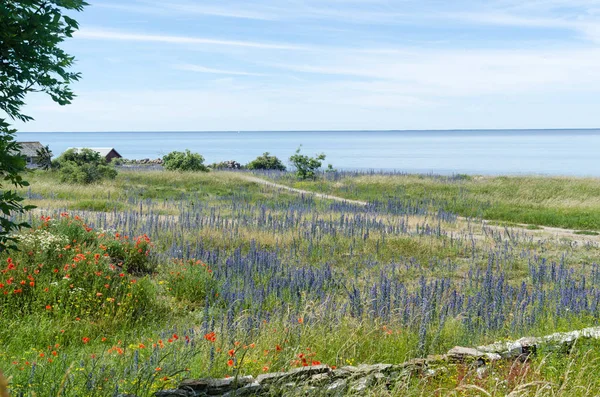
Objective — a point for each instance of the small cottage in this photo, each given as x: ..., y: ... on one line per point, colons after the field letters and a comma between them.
x: 30, y: 150
x: 108, y: 153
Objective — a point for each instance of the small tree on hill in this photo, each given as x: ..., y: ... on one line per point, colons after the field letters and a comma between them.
x: 184, y: 161
x: 83, y: 166
x: 266, y: 162
x: 306, y: 166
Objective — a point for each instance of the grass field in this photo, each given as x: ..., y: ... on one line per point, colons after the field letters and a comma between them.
x: 572, y: 203
x: 134, y: 284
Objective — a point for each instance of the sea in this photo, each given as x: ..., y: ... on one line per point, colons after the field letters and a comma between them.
x: 483, y: 152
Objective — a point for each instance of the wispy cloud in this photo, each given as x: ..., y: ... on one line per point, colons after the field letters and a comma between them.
x: 202, y: 69
x: 103, y: 34
x: 298, y: 64
x: 169, y: 8
x: 232, y: 11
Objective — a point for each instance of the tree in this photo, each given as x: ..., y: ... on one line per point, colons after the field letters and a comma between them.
x: 30, y: 61
x: 266, y: 162
x: 44, y: 156
x: 306, y: 166
x: 83, y: 166
x: 184, y: 161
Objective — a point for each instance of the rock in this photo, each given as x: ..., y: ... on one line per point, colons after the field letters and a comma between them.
x: 272, y: 377
x: 320, y: 379
x: 375, y: 368
x: 251, y: 389
x: 302, y: 373
x: 362, y: 384
x: 337, y: 388
x: 350, y: 368
x: 460, y: 354
x: 340, y: 373
x: 215, y: 386
x: 194, y: 384
x: 175, y: 393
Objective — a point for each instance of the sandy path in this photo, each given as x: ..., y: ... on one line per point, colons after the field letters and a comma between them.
x: 544, y: 232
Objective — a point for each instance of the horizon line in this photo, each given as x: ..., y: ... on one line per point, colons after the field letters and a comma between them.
x: 309, y: 131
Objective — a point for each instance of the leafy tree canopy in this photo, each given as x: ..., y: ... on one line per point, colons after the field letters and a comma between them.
x: 30, y: 58
x: 30, y: 61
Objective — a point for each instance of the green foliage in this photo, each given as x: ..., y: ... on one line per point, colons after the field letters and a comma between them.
x: 184, y: 161
x: 306, y: 166
x: 132, y: 256
x: 83, y: 166
x: 191, y: 281
x: 44, y: 156
x: 266, y: 162
x: 117, y: 161
x: 12, y: 164
x: 30, y: 32
x: 30, y: 61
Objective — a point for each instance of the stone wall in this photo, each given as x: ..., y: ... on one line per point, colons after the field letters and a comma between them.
x: 323, y: 380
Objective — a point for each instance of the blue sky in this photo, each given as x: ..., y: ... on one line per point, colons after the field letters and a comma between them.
x: 166, y: 65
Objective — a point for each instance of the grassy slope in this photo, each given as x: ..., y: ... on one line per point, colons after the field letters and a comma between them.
x: 550, y: 201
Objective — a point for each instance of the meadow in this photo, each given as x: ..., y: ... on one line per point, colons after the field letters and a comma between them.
x: 129, y: 286
x: 563, y: 202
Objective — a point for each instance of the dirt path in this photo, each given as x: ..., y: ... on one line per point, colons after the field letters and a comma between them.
x: 544, y: 231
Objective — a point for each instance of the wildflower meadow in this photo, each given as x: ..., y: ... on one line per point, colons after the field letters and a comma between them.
x: 131, y: 285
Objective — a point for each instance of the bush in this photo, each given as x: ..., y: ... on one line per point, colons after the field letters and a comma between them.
x: 191, y: 281
x: 64, y: 269
x: 184, y: 161
x: 306, y: 167
x: 266, y: 162
x: 83, y: 166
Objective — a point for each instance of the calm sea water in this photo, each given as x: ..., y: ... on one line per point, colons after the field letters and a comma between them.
x: 552, y: 152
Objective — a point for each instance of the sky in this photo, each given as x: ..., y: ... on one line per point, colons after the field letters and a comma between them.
x: 212, y: 65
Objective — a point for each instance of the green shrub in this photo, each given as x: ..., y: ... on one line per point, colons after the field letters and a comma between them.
x: 184, y: 161
x: 83, y: 166
x: 266, y: 162
x: 132, y: 255
x: 191, y: 281
x: 306, y: 167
